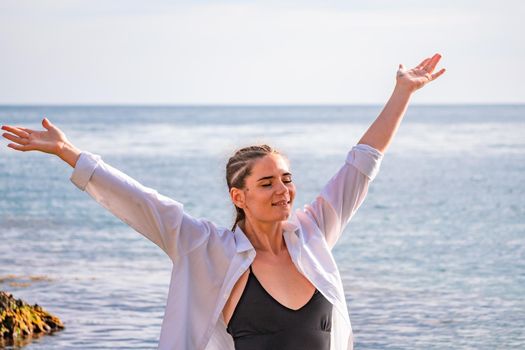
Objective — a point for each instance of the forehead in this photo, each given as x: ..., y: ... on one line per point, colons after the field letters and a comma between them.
x: 270, y: 165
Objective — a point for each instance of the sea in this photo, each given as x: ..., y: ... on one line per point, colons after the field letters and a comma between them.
x: 433, y: 259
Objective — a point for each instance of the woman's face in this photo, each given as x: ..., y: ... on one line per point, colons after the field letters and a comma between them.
x: 269, y: 191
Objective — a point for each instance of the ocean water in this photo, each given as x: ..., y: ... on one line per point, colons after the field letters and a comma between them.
x: 434, y: 258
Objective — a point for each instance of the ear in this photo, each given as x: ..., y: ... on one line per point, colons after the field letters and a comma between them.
x: 237, y: 197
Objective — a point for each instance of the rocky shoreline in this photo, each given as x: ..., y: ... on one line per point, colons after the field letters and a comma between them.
x: 21, y: 322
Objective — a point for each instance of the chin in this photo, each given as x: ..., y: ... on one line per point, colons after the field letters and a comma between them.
x: 279, y: 218
x: 285, y: 216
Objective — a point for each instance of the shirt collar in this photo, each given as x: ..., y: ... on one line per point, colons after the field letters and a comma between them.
x: 243, y: 243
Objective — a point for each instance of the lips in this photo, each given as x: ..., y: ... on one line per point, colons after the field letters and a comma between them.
x: 281, y: 203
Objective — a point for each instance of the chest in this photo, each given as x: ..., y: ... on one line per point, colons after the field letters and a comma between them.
x: 281, y: 280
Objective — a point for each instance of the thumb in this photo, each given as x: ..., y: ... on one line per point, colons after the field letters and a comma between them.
x: 401, y: 66
x: 47, y: 124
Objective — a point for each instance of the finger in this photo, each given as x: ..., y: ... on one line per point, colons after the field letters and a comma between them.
x: 47, y: 124
x: 18, y: 127
x: 18, y: 147
x: 16, y: 131
x: 29, y: 131
x: 429, y: 67
x: 422, y: 64
x: 16, y: 139
x: 435, y: 75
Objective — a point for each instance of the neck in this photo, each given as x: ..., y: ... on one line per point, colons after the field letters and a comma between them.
x: 265, y: 237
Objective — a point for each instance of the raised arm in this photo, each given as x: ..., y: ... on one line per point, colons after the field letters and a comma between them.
x: 380, y: 134
x: 157, y: 217
x: 344, y: 193
x: 346, y: 190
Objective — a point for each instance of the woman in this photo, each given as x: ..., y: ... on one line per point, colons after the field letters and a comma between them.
x: 271, y: 281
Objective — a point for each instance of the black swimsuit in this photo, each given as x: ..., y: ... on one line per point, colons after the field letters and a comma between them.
x: 261, y: 322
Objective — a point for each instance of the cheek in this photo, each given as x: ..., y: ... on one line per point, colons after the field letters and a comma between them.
x: 292, y: 192
x: 260, y: 199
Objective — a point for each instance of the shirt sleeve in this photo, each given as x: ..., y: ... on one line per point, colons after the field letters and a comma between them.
x: 344, y: 193
x: 159, y: 218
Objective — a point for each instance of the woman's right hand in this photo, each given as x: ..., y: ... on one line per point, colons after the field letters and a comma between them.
x: 52, y: 141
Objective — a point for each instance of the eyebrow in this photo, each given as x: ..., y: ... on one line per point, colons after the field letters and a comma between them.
x: 271, y: 177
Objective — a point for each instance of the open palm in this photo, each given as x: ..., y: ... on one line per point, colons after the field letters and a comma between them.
x: 49, y: 141
x: 417, y: 77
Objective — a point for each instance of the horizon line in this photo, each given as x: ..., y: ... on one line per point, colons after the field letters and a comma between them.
x: 251, y: 104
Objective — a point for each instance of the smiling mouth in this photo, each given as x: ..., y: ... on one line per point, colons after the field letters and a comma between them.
x: 281, y: 203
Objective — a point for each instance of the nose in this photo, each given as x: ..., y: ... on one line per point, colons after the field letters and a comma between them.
x: 281, y: 188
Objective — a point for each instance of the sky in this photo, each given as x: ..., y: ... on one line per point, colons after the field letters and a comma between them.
x: 257, y: 52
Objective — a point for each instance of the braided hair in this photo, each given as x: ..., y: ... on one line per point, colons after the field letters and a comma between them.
x: 239, y: 167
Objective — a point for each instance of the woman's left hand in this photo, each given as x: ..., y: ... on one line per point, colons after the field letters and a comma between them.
x: 416, y: 78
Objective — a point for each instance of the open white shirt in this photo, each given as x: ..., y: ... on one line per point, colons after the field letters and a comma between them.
x: 208, y: 260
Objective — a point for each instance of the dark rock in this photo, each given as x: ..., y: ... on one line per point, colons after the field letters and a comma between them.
x: 20, y: 322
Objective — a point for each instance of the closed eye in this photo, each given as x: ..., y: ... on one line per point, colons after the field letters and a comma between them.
x: 284, y: 181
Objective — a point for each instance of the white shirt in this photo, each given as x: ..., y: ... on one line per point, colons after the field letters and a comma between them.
x: 208, y: 260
